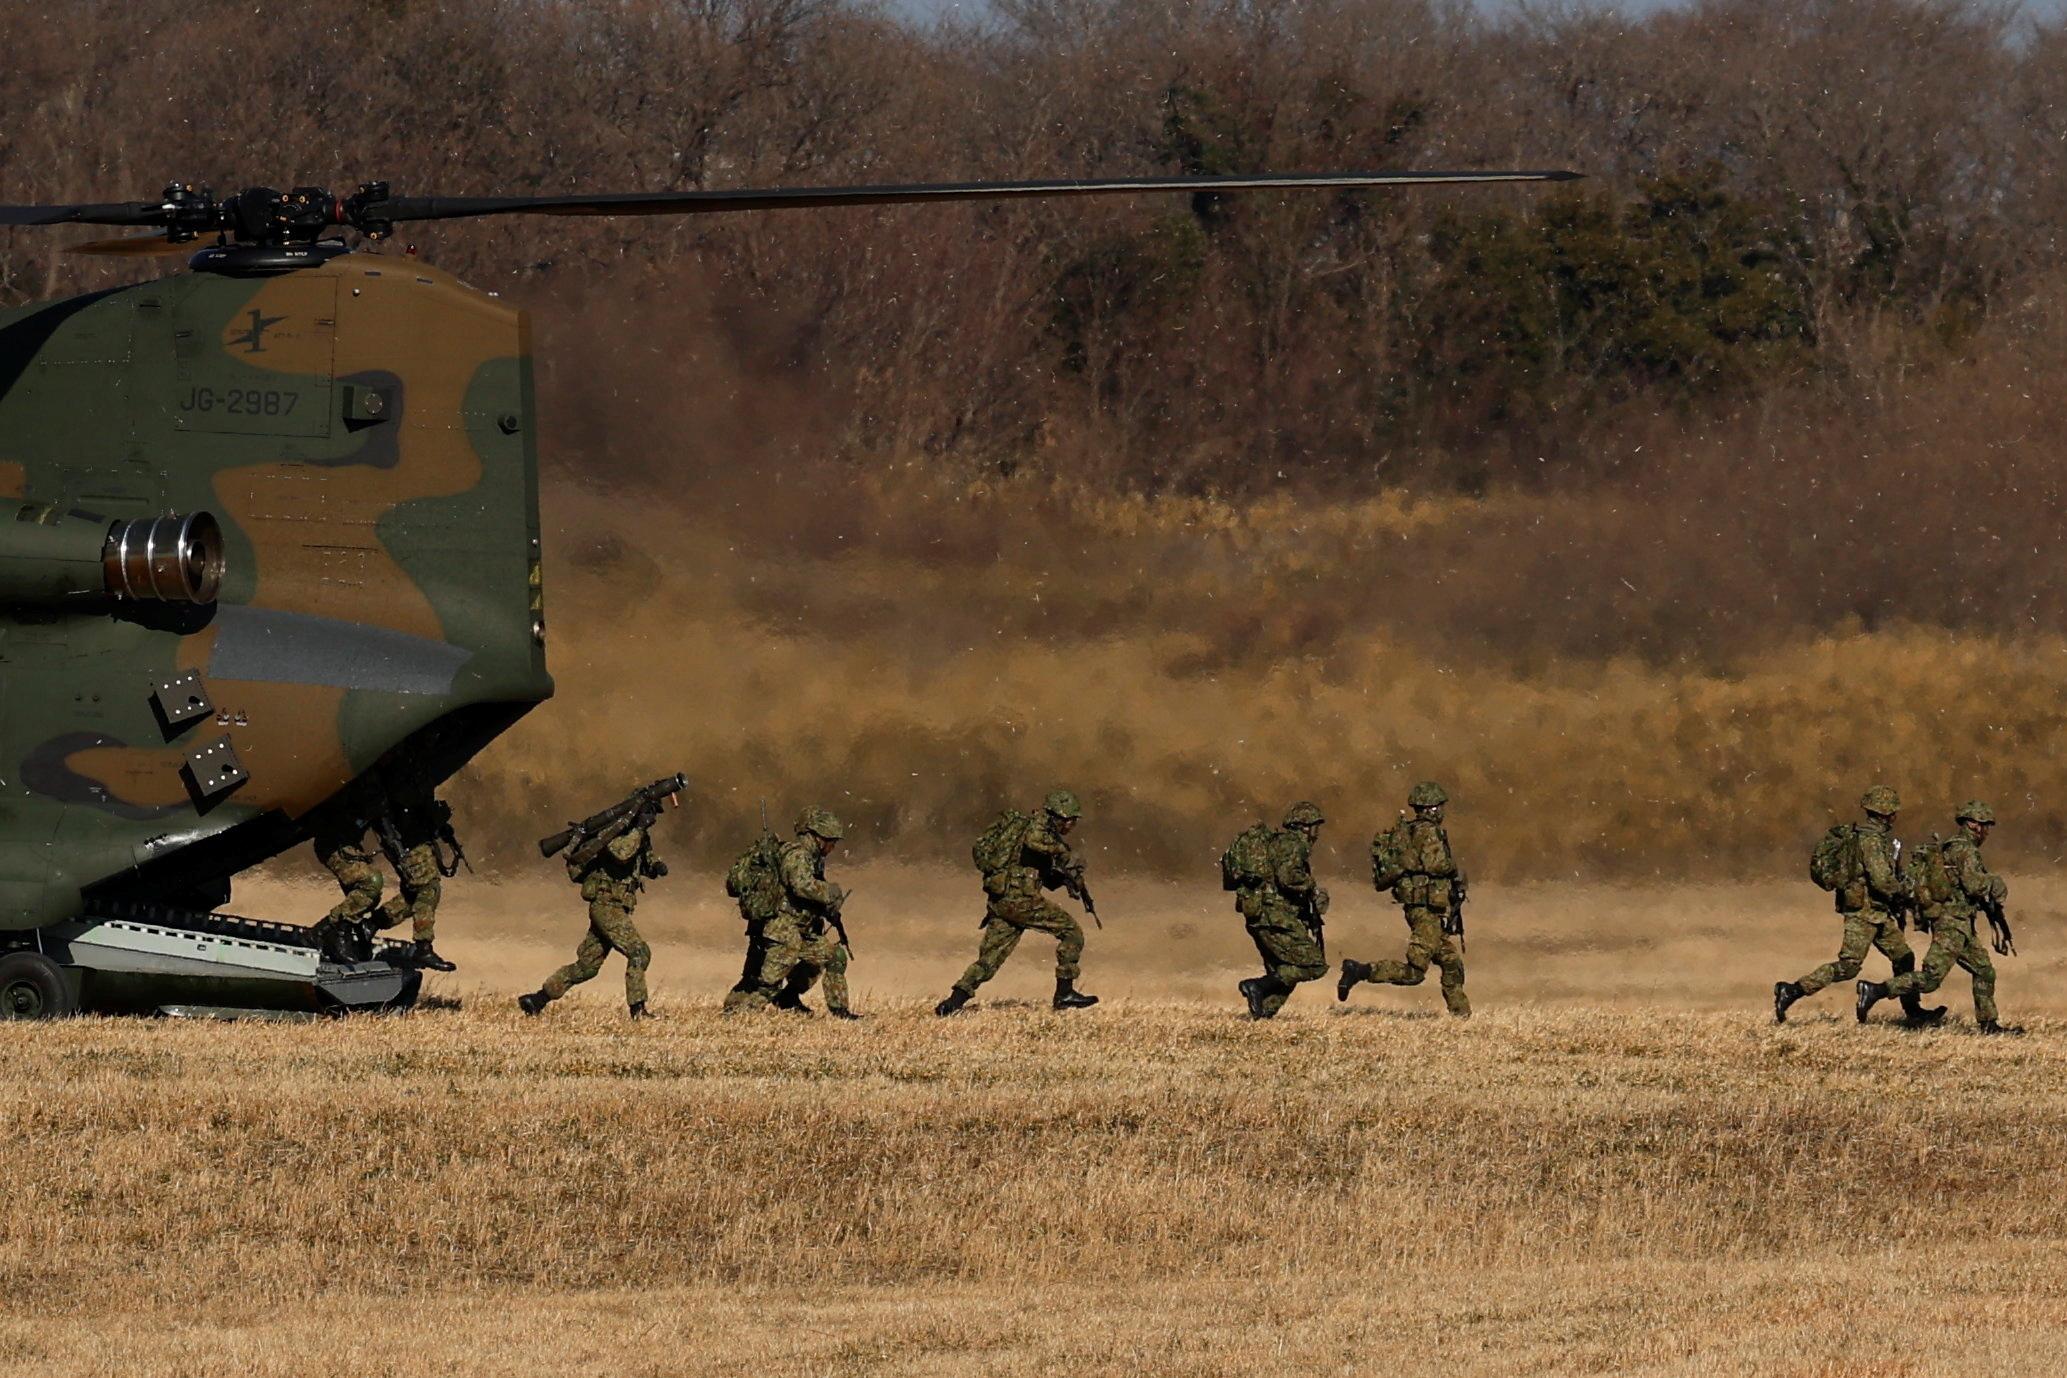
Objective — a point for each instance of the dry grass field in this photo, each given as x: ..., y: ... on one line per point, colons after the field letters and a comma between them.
x: 1618, y: 1166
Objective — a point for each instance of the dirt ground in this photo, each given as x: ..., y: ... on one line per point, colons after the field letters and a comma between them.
x: 1619, y: 1165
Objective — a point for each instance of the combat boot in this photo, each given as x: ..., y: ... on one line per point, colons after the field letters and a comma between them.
x: 1353, y: 972
x: 1068, y: 997
x: 639, y: 1011
x: 843, y: 1014
x: 532, y: 1003
x: 1785, y: 993
x: 1870, y: 993
x: 956, y: 998
x: 1252, y: 991
x: 2001, y: 1030
x: 1916, y: 1016
x: 426, y: 957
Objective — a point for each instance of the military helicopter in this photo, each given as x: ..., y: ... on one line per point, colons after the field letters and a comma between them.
x: 271, y: 542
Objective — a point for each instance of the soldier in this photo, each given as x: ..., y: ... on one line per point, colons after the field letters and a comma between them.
x: 755, y: 881
x: 1870, y: 891
x: 1414, y: 861
x: 341, y: 847
x: 1277, y: 897
x: 1020, y: 856
x: 410, y: 833
x: 1949, y: 915
x: 611, y: 878
x: 803, y: 941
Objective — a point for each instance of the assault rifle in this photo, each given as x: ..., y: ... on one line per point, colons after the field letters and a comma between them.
x: 448, y: 841
x: 1073, y: 885
x: 1453, y: 922
x: 390, y: 838
x: 834, y: 917
x: 597, y: 831
x: 2005, y: 942
x: 1315, y: 907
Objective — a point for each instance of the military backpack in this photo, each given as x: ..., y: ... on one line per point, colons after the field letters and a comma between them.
x: 1002, y: 842
x: 1247, y: 862
x: 1929, y: 882
x: 1388, y: 857
x: 1836, y: 861
x: 755, y: 879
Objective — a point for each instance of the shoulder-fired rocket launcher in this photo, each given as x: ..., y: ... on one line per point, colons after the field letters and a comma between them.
x: 595, y: 832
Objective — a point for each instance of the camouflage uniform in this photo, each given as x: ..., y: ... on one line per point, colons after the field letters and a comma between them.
x: 751, y: 878
x: 1427, y: 891
x: 1016, y: 905
x: 742, y: 992
x: 1951, y: 924
x: 1276, y: 913
x: 611, y: 883
x: 422, y: 888
x: 798, y: 945
x: 343, y: 852
x: 1867, y: 905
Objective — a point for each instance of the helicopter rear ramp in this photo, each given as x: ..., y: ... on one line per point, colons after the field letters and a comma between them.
x: 142, y: 959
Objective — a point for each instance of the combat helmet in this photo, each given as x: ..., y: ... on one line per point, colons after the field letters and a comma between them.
x: 1063, y: 804
x: 1304, y: 815
x: 820, y: 823
x: 1974, y: 811
x: 1881, y: 800
x: 1427, y: 795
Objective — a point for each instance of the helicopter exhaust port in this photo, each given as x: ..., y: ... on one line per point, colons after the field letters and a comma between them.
x: 164, y: 559
x: 51, y: 557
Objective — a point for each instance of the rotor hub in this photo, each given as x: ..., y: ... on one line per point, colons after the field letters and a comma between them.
x: 265, y: 260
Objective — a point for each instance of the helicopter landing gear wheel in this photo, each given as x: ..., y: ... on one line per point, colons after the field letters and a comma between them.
x: 34, y: 987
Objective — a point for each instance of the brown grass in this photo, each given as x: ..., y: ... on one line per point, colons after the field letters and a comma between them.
x: 1581, y: 1179
x: 917, y: 659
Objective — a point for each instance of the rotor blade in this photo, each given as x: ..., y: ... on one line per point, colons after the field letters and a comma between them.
x: 135, y: 246
x: 799, y: 198
x: 103, y: 213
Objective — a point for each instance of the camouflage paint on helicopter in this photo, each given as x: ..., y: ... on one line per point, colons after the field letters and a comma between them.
x: 362, y: 432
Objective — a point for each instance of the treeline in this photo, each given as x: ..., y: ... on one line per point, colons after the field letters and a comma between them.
x: 1821, y: 199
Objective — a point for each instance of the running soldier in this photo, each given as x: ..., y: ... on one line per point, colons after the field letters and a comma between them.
x: 611, y: 877
x: 1270, y: 871
x: 805, y: 939
x: 416, y: 824
x: 1413, y: 860
x: 1861, y: 865
x: 1953, y: 884
x: 341, y: 847
x: 1021, y: 855
x: 755, y: 881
